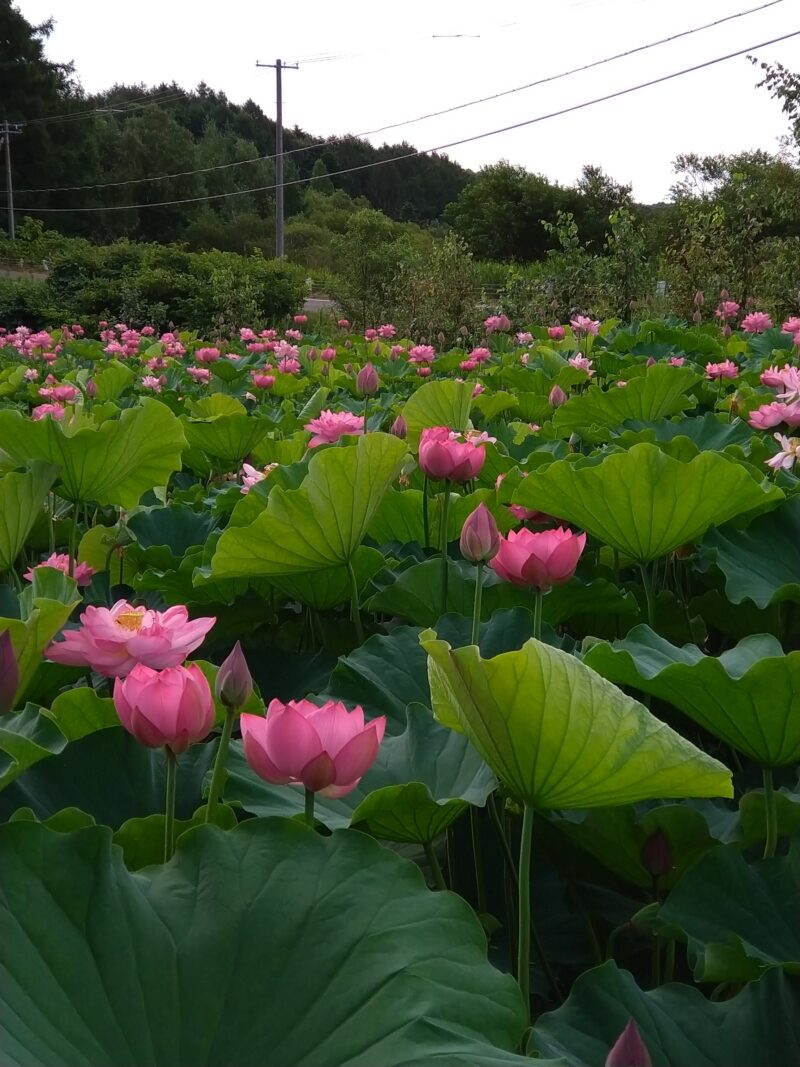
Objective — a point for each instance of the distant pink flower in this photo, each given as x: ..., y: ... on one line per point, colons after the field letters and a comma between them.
x: 268, y: 335
x: 524, y: 359
x: 726, y: 369
x: 263, y: 381
x: 343, y: 324
x: 478, y: 388
x: 422, y: 354
x: 773, y: 376
x: 792, y: 325
x: 82, y: 572
x: 151, y: 382
x: 300, y: 320
x: 257, y: 346
x: 370, y: 334
x: 523, y: 337
x: 621, y: 383
x: 207, y: 355
x: 788, y: 455
x: 468, y: 365
x: 252, y: 475
x: 55, y: 411
x: 246, y: 334
x: 582, y: 363
x: 582, y: 325
x: 767, y: 416
x: 728, y: 309
x: 113, y: 640
x: 480, y: 355
x: 328, y: 355
x: 396, y: 351
x: 200, y: 374
x: 756, y: 322
x: 330, y: 426
x: 146, y: 331
x: 676, y: 361
x: 289, y: 365
x: 424, y: 372
x: 497, y: 324
x: 387, y: 331
x: 31, y: 375
x: 293, y: 335
x: 63, y: 394
x: 556, y: 333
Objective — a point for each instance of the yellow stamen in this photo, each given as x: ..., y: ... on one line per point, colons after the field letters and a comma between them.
x: 130, y: 620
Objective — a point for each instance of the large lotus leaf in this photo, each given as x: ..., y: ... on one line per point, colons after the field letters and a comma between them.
x: 175, y: 528
x: 399, y: 518
x: 322, y: 523
x: 643, y: 502
x: 749, y: 696
x: 265, y: 945
x: 713, y: 432
x: 760, y: 563
x: 325, y: 589
x: 760, y: 1027
x: 738, y: 918
x: 108, y: 774
x: 226, y: 438
x: 44, y: 607
x: 561, y: 736
x: 115, y: 463
x: 112, y: 379
x: 660, y: 392
x: 21, y: 499
x: 442, y: 403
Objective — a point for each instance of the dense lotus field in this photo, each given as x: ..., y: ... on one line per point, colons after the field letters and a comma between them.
x: 368, y: 703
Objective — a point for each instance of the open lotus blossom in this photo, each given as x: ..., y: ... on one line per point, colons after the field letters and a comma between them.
x: 792, y: 325
x: 387, y: 331
x: 82, y: 572
x: 726, y: 369
x: 756, y: 322
x: 791, y: 384
x: 171, y: 707
x: 538, y: 560
x: 468, y: 365
x: 422, y: 354
x: 774, y: 376
x: 443, y: 456
x: 330, y: 426
x: 289, y: 365
x: 583, y: 325
x: 582, y: 363
x: 480, y: 355
x: 53, y: 411
x: 326, y: 749
x: 262, y: 381
x: 111, y: 641
x: 207, y: 355
x: 200, y: 374
x: 788, y: 455
x: 151, y: 382
x: 676, y: 361
x: 252, y: 475
x: 62, y: 394
x: 497, y: 324
x: 556, y: 333
x: 767, y: 416
x: 728, y: 309
x: 525, y: 338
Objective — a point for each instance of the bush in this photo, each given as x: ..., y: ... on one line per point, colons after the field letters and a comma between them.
x: 28, y: 303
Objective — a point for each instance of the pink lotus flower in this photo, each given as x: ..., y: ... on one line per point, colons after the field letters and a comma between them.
x: 200, y: 374
x: 442, y: 456
x: 791, y: 414
x: 367, y: 382
x: 263, y: 381
x: 252, y: 475
x: 289, y: 365
x: 523, y: 337
x: 468, y: 365
x: 171, y: 707
x: 767, y: 416
x: 424, y: 372
x: 328, y: 355
x: 556, y: 333
x: 152, y: 383
x: 726, y: 369
x: 480, y: 355
x: 582, y: 363
x: 480, y: 538
x: 325, y: 749
x: 246, y: 334
x: 330, y: 426
x: 293, y: 335
x: 676, y: 361
x: 756, y: 322
x: 343, y: 324
x: 728, y: 309
x: 207, y: 355
x: 422, y: 354
x: 477, y: 389
x: 82, y: 572
x: 792, y: 325
x: 582, y: 325
x: 55, y: 411
x: 557, y: 397
x: 396, y: 351
x: 791, y: 384
x: 497, y: 323
x: 300, y: 320
x: 528, y: 514
x: 31, y: 375
x: 387, y: 331
x: 788, y: 455
x: 541, y: 560
x: 773, y: 376
x: 113, y: 640
x: 146, y: 331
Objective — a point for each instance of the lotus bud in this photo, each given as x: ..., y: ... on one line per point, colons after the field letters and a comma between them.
x: 649, y: 362
x: 234, y: 684
x: 377, y: 349
x: 726, y: 331
x: 656, y: 854
x: 629, y: 1050
x: 312, y: 354
x: 400, y: 428
x: 9, y: 673
x: 367, y: 383
x: 91, y: 388
x: 480, y: 538
x: 557, y: 397
x: 697, y: 317
x: 724, y: 294
x: 699, y: 299
x: 463, y: 331
x: 441, y: 337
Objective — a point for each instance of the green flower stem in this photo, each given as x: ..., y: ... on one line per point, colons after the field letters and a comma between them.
x: 218, y: 775
x: 476, y: 608
x: 310, y: 808
x: 426, y: 526
x: 537, y: 615
x: 435, y: 866
x: 366, y: 411
x: 444, y: 512
x: 169, y: 803
x: 73, y: 538
x: 477, y: 856
x: 770, y: 815
x: 649, y: 593
x: 51, y: 511
x: 355, y: 613
x: 524, y: 909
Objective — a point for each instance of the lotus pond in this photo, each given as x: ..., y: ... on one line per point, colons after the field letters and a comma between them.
x: 370, y: 703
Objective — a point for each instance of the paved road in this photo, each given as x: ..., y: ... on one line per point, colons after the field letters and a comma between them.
x: 319, y: 303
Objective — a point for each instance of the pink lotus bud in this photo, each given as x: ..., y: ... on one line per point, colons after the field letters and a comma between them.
x: 629, y: 1050
x: 538, y: 560
x: 328, y: 355
x: 557, y: 397
x: 234, y: 684
x: 173, y: 707
x: 312, y: 354
x: 441, y: 337
x: 91, y: 388
x: 699, y: 299
x: 556, y: 333
x: 301, y: 320
x: 442, y: 456
x: 697, y: 317
x: 650, y: 362
x: 724, y: 294
x: 400, y: 428
x: 343, y: 324
x: 726, y: 331
x: 656, y: 854
x: 480, y: 538
x: 9, y: 673
x: 326, y: 749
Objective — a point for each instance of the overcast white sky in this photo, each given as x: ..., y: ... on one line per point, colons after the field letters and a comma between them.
x: 393, y: 68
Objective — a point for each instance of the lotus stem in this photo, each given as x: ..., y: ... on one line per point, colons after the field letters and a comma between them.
x: 366, y: 411
x: 770, y: 815
x: 218, y: 775
x: 435, y: 866
x: 477, y: 856
x: 476, y: 608
x: 524, y: 910
x: 73, y: 538
x: 426, y: 526
x: 169, y: 803
x: 52, y: 515
x: 649, y: 594
x: 444, y: 513
x: 355, y: 613
x: 309, y: 808
x: 537, y: 614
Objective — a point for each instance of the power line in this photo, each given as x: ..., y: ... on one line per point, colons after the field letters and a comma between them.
x: 426, y: 151
x: 418, y: 118
x: 154, y: 100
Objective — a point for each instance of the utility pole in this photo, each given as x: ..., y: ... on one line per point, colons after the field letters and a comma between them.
x: 279, y: 66
x: 7, y: 130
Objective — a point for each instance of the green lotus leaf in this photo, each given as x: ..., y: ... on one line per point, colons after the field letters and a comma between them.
x: 643, y: 502
x: 749, y: 696
x: 115, y: 463
x: 437, y: 404
x: 207, y: 960
x: 660, y: 392
x: 21, y: 499
x: 738, y: 918
x: 325, y: 589
x: 561, y: 736
x: 712, y: 432
x: 112, y: 380
x: 680, y: 1026
x: 322, y: 523
x: 228, y: 438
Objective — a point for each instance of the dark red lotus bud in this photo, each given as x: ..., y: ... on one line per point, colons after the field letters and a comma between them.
x: 656, y: 854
